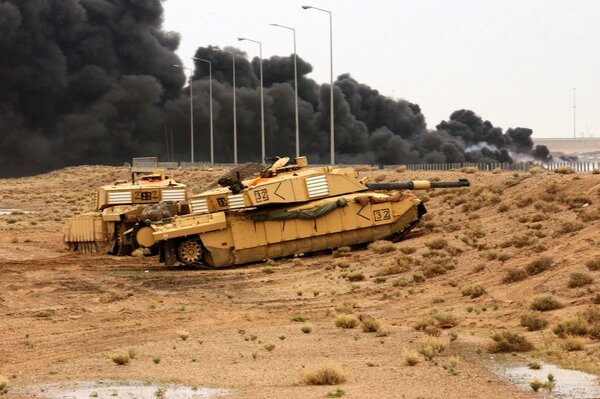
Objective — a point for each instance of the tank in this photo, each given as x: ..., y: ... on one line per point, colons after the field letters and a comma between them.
x: 119, y: 207
x: 289, y: 209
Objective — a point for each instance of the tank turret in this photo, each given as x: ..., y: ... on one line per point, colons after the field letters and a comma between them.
x: 289, y: 209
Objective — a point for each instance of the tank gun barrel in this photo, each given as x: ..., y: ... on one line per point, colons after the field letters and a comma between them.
x: 419, y: 185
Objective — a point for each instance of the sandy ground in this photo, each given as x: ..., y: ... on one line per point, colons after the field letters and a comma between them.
x: 64, y: 315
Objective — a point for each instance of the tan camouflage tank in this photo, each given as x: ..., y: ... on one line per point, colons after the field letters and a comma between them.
x: 289, y: 209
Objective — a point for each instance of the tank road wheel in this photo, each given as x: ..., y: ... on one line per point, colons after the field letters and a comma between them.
x: 189, y: 251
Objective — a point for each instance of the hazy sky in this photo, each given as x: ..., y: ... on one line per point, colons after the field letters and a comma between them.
x: 514, y: 62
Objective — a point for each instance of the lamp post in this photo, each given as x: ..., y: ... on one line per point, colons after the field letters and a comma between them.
x: 331, y: 76
x: 262, y: 103
x: 210, y: 107
x: 235, y: 157
x: 295, y: 88
x: 191, y: 110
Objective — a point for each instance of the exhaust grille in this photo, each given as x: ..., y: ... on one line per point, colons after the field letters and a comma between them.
x: 173, y: 195
x: 199, y: 206
x: 317, y: 186
x: 119, y: 197
x: 236, y: 201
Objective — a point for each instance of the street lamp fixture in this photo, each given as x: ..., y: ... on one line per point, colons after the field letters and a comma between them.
x: 210, y: 106
x: 295, y: 88
x: 191, y: 109
x: 262, y: 103
x: 332, y: 138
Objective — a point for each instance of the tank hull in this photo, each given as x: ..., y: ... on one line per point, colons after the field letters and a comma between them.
x: 250, y: 236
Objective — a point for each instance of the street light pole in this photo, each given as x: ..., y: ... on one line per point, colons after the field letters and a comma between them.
x: 210, y: 107
x: 332, y: 139
x: 262, y: 103
x: 295, y: 88
x: 191, y: 110
x: 235, y: 157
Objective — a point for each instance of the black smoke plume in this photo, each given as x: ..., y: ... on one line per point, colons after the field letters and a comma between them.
x: 93, y: 82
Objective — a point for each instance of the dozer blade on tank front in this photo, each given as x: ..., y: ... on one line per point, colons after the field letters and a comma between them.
x: 289, y: 210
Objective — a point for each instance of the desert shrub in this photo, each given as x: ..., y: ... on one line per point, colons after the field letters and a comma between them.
x: 569, y: 227
x: 469, y: 169
x: 113, y: 296
x: 3, y: 384
x: 411, y: 359
x: 355, y: 276
x: 438, y: 243
x: 496, y: 171
x: 324, y: 375
x: 346, y: 321
x: 578, y: 279
x: 474, y: 291
x: 408, y: 250
x: 545, y: 303
x: 591, y: 314
x: 120, y: 358
x: 575, y: 326
x: 422, y: 324
x: 306, y: 329
x: 430, y: 347
x: 382, y: 246
x: 445, y: 318
x: 299, y: 319
x: 524, y: 201
x: 539, y: 265
x: 156, y: 359
x: 508, y: 341
x: 345, y: 308
x: 593, y: 264
x: 389, y: 269
x: 594, y: 331
x: 533, y: 321
x: 269, y: 347
x: 572, y: 343
x: 513, y: 275
x: 536, y: 385
x: 400, y: 282
x: 342, y: 251
x: 434, y: 270
x: 369, y: 324
x: 564, y: 170
x: 536, y: 170
x: 503, y: 257
x: 418, y: 277
x: 578, y: 201
x: 434, y: 331
x: 503, y: 208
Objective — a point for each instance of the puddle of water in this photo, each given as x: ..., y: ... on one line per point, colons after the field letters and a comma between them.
x: 570, y: 384
x: 114, y: 389
x: 4, y: 211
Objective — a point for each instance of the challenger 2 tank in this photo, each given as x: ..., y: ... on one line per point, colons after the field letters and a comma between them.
x: 119, y: 207
x: 289, y: 209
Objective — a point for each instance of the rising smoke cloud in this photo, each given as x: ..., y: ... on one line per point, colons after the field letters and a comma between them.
x: 91, y: 81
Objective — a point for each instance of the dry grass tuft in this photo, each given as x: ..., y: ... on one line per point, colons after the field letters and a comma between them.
x: 369, y: 324
x: 412, y: 359
x: 508, y: 341
x: 539, y: 265
x: 533, y: 321
x: 324, y: 375
x: 513, y: 275
x: 356, y: 276
x: 346, y: 321
x: 474, y: 291
x: 183, y: 335
x: 593, y: 264
x: 575, y: 326
x: 545, y: 303
x: 430, y: 347
x: 438, y: 243
x: 564, y: 170
x: 382, y: 246
x: 579, y: 279
x: 3, y: 385
x: 345, y: 308
x: 572, y: 343
x: 306, y: 329
x: 120, y: 359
